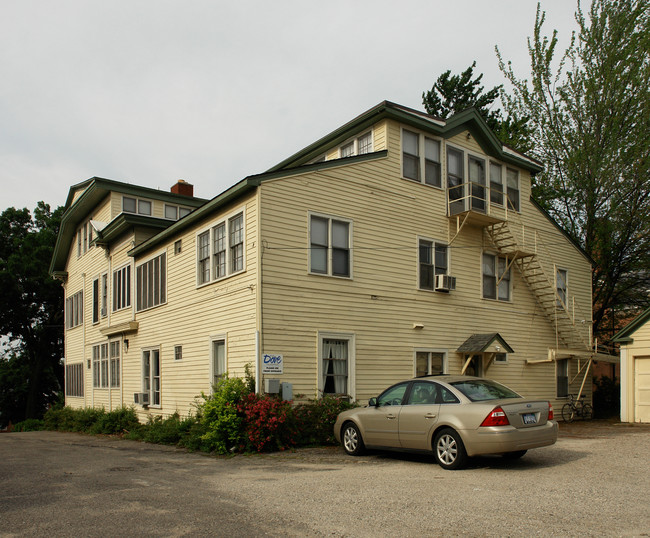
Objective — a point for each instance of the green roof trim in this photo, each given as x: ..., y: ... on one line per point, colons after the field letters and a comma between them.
x: 124, y: 222
x: 624, y: 335
x: 95, y: 190
x: 243, y: 187
x: 468, y: 119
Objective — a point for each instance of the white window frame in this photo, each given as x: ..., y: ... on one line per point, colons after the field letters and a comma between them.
x: 74, y: 380
x: 149, y: 374
x: 497, y: 277
x: 101, y: 368
x: 214, y: 339
x: 500, y: 358
x: 114, y: 363
x: 158, y: 287
x: 354, y: 145
x: 423, y: 158
x: 74, y: 310
x: 330, y: 247
x: 229, y: 249
x: 434, y: 245
x: 429, y: 351
x: 120, y: 274
x: 179, y: 211
x: 351, y: 381
x: 103, y: 312
x: 138, y: 203
x: 513, y: 206
x: 493, y: 190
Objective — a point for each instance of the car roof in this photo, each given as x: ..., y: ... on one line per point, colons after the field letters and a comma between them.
x: 449, y: 378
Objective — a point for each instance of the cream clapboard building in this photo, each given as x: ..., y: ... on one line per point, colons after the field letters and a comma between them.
x: 397, y: 245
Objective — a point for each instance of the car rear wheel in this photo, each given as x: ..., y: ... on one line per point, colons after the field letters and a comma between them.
x: 449, y: 450
x: 514, y: 455
x: 352, y: 440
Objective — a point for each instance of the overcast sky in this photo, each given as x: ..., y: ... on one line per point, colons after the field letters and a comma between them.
x: 152, y: 91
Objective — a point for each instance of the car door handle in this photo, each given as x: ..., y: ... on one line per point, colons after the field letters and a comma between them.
x: 391, y: 417
x: 430, y: 415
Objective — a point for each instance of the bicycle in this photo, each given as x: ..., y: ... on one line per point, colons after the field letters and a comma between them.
x: 576, y: 408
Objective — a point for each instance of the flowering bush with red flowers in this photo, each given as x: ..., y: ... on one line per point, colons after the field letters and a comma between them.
x: 270, y: 423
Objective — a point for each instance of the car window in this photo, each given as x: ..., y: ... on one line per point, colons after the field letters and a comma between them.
x: 480, y: 390
x: 446, y: 396
x: 423, y: 393
x: 393, y: 395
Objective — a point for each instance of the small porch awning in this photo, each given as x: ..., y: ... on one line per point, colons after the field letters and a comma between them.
x: 483, y: 345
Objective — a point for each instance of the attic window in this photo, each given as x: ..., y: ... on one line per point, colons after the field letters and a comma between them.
x: 357, y: 146
x: 135, y: 205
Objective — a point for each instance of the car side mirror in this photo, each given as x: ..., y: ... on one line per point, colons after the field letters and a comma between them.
x: 372, y: 402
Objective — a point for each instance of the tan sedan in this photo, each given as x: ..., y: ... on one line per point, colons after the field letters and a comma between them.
x: 454, y: 417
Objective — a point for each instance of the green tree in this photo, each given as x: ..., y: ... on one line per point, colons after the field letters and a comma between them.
x: 589, y: 113
x: 31, y: 313
x: 454, y: 93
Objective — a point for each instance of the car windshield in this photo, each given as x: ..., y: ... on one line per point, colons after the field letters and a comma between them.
x: 480, y: 390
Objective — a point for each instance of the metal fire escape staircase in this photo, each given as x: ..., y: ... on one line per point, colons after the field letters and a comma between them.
x: 522, y: 248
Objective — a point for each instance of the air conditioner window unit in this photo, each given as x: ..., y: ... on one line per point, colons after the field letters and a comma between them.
x: 445, y: 283
x: 141, y: 398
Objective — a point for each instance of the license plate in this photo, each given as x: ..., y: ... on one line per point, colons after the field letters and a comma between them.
x: 530, y: 418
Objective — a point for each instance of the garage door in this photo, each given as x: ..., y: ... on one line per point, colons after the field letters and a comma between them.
x: 642, y: 389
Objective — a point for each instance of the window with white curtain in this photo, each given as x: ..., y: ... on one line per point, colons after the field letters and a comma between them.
x: 330, y: 246
x: 335, y: 364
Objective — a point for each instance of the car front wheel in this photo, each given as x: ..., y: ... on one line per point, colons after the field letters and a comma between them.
x: 352, y: 440
x: 449, y: 449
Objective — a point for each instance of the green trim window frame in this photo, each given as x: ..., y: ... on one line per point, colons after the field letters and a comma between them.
x: 151, y: 283
x: 512, y: 186
x: 419, y: 153
x: 151, y: 375
x: 433, y: 259
x: 137, y: 206
x: 74, y: 310
x: 220, y: 250
x: 429, y: 362
x: 122, y: 288
x: 74, y: 380
x: 496, y: 278
x: 330, y: 246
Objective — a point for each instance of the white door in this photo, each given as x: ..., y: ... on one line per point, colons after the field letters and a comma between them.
x: 642, y: 389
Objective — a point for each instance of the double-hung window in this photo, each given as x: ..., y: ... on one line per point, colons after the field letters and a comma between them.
x: 358, y: 146
x: 562, y: 374
x: 136, y: 205
x: 100, y: 366
x: 512, y: 185
x: 420, y: 152
x: 433, y: 260
x: 218, y: 360
x: 151, y: 374
x: 174, y: 212
x: 151, y: 282
x: 114, y: 350
x: 220, y: 250
x: 429, y: 363
x: 455, y: 179
x: 96, y: 300
x: 122, y: 288
x: 74, y: 310
x: 496, y: 184
x: 74, y: 379
x: 496, y: 278
x: 330, y: 241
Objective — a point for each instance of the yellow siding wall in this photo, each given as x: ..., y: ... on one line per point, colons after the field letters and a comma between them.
x: 381, y: 303
x: 639, y: 348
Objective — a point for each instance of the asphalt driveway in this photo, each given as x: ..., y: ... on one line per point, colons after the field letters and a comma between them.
x: 594, y: 481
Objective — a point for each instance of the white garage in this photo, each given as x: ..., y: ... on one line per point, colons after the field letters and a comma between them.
x: 635, y: 369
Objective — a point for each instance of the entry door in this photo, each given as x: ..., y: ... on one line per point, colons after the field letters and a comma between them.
x: 642, y: 389
x: 477, y: 181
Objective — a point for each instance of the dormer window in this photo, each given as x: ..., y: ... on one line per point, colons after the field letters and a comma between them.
x: 359, y: 146
x: 135, y: 205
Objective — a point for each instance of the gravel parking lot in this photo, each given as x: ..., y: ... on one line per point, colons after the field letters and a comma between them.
x: 594, y: 481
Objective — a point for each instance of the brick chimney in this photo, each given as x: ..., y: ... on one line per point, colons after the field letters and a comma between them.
x: 183, y: 187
